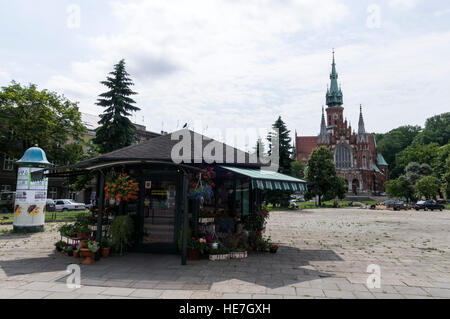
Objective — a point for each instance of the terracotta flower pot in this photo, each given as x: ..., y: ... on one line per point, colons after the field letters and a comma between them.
x: 106, y: 251
x: 88, y: 256
x: 76, y: 254
x: 193, y: 254
x: 81, y: 236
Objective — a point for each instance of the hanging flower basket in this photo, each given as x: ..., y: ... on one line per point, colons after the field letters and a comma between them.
x: 122, y: 188
x: 202, y: 186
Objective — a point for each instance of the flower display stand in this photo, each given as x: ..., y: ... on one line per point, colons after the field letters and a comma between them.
x: 219, y: 257
x: 238, y: 255
x: 206, y: 220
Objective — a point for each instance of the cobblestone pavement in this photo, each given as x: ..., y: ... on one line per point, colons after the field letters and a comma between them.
x: 323, y: 254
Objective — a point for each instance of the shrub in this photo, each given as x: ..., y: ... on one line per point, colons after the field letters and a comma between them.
x: 122, y: 229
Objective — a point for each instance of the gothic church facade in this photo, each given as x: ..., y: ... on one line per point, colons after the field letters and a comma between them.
x: 355, y: 154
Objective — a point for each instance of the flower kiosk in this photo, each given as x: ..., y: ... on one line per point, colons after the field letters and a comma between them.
x: 194, y: 206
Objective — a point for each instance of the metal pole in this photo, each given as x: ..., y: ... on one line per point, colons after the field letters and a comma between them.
x: 101, y: 200
x: 185, y: 219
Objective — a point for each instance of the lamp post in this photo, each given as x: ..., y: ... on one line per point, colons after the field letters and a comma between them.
x: 31, y: 194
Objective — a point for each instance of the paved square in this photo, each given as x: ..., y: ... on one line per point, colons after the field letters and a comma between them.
x: 323, y: 253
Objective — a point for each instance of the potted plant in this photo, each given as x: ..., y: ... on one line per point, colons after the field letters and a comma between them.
x: 87, y: 249
x: 82, y: 231
x: 59, y: 245
x: 122, y: 233
x: 106, y: 247
x: 273, y: 249
x: 76, y: 253
x: 221, y: 253
x: 121, y: 188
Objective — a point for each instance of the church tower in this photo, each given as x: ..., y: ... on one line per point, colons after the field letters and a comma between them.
x: 334, y: 100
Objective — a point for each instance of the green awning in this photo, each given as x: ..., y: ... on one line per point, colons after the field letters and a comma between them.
x: 265, y: 179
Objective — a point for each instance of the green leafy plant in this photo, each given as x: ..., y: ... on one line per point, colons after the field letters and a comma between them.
x: 122, y: 229
x: 221, y: 250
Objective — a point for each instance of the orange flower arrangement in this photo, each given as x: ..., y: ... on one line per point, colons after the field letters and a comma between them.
x: 123, y: 188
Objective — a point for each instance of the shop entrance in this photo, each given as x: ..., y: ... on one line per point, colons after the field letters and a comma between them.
x: 159, y: 222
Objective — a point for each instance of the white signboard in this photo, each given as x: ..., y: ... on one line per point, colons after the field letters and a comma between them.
x: 31, y: 196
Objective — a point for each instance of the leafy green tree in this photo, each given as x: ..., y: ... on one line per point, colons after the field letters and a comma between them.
x: 417, y: 153
x: 400, y: 187
x: 395, y: 141
x: 446, y: 178
x: 116, y: 130
x: 285, y: 147
x: 321, y: 176
x: 298, y: 169
x: 439, y: 163
x: 415, y: 171
x: 29, y: 116
x: 427, y: 186
x: 437, y: 130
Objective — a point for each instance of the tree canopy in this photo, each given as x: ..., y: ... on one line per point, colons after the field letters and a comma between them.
x: 437, y: 130
x: 116, y: 130
x: 285, y: 147
x: 322, y: 178
x: 29, y: 116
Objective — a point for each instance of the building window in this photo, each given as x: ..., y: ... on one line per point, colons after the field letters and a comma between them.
x: 5, y: 188
x: 342, y: 157
x: 53, y: 193
x: 8, y: 163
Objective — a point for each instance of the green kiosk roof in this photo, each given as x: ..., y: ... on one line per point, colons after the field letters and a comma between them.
x: 265, y: 179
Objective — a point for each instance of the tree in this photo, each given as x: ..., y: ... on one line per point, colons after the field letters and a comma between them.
x: 395, y: 141
x: 415, y: 171
x: 282, y: 134
x: 29, y: 117
x: 321, y: 176
x: 259, y: 149
x: 298, y: 169
x: 417, y: 153
x: 427, y: 186
x: 400, y: 187
x: 437, y: 130
x: 116, y: 130
x: 446, y: 177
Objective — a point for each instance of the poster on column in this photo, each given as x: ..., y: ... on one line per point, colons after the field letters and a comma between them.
x: 31, y: 196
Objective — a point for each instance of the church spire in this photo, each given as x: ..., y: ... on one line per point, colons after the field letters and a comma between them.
x: 334, y: 93
x: 361, y: 128
x: 323, y: 136
x: 362, y: 135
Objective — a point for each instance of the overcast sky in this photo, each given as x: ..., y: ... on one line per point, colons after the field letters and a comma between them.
x: 237, y: 63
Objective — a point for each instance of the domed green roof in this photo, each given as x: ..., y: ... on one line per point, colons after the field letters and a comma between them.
x: 34, y: 156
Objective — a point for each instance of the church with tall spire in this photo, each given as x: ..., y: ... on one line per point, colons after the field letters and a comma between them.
x: 355, y: 153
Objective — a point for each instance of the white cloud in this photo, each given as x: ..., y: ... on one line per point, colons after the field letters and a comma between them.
x: 405, y: 4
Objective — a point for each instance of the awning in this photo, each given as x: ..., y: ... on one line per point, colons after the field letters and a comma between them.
x: 265, y: 179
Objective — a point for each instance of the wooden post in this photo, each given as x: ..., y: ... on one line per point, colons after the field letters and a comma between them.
x: 185, y: 219
x: 101, y: 200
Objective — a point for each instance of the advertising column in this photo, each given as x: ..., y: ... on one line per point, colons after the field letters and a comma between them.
x: 31, y: 193
x: 29, y: 209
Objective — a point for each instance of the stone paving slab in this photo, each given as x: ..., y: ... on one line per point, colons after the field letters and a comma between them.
x: 323, y: 253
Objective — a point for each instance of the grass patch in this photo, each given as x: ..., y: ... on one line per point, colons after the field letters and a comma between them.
x: 67, y: 216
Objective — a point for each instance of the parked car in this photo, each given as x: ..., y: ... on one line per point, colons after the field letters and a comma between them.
x: 7, y: 202
x: 442, y: 201
x: 428, y: 205
x: 62, y: 205
x: 50, y: 205
x: 395, y: 205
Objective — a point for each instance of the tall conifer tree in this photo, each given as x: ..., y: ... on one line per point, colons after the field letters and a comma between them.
x: 116, y: 130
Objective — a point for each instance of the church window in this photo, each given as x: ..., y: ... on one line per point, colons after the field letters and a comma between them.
x: 343, y: 157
